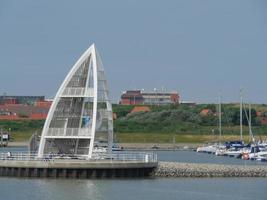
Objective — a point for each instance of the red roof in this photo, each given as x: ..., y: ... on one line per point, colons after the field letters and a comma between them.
x: 140, y: 109
x: 9, y: 117
x: 38, y: 116
x: 43, y: 103
x: 205, y: 112
x: 28, y: 111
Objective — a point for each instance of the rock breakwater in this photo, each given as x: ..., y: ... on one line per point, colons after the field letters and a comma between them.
x: 175, y: 169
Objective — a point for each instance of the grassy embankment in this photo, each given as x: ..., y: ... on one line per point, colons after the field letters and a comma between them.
x: 184, y: 124
x: 163, y: 124
x: 21, y: 130
x: 151, y: 137
x: 199, y: 135
x: 22, y: 136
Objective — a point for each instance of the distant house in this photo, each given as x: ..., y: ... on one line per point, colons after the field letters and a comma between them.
x: 26, y: 100
x: 206, y: 112
x: 20, y: 111
x: 133, y: 97
x: 137, y: 109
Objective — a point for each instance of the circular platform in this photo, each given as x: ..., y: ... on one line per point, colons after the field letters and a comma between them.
x: 76, y: 168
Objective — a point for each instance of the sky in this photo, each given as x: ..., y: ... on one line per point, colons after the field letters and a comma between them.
x: 199, y: 48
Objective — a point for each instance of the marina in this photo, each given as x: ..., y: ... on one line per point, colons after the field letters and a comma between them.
x: 253, y: 150
x: 146, y: 123
x: 245, y: 152
x: 77, y: 138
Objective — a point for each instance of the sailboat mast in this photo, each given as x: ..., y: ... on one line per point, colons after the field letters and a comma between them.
x: 220, y: 119
x: 250, y: 126
x: 241, y: 116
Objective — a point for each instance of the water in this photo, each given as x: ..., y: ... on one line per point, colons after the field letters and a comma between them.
x: 194, y: 157
x: 148, y: 189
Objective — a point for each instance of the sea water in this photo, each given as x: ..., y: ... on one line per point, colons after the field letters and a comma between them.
x: 145, y: 189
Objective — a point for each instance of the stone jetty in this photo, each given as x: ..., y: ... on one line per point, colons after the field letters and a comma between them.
x: 176, y: 169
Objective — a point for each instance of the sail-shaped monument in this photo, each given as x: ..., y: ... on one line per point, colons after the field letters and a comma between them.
x: 81, y: 112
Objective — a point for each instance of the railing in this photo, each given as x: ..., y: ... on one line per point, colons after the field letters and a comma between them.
x: 134, y: 156
x: 69, y: 132
x: 114, y: 157
x: 78, y: 91
x: 104, y: 113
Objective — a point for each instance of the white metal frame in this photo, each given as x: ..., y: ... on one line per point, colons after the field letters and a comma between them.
x: 77, y: 92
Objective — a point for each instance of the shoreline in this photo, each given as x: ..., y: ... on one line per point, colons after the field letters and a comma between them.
x: 135, y: 146
x: 186, y: 170
x: 159, y: 146
x: 18, y: 144
x: 199, y: 170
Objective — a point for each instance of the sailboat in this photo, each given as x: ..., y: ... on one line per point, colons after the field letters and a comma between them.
x: 242, y: 151
x: 220, y: 151
x: 236, y: 148
x: 214, y: 148
x: 258, y: 151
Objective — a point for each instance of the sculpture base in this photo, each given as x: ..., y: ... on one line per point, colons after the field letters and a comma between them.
x: 80, y: 169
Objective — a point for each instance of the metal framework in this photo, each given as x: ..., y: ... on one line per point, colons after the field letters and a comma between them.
x: 81, y: 112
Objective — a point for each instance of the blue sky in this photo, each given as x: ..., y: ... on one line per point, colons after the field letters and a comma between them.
x: 196, y: 47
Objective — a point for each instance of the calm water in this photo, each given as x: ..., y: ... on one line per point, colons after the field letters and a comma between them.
x: 192, y: 156
x: 147, y: 189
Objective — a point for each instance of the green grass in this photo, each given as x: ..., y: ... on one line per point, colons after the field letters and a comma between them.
x: 21, y: 136
x: 202, y: 134
x: 21, y: 130
x: 158, y: 138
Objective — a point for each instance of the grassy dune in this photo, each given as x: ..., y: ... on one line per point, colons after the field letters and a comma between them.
x: 153, y: 137
x: 202, y: 136
x: 21, y: 136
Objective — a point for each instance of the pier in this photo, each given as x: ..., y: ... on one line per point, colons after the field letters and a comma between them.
x: 119, y: 165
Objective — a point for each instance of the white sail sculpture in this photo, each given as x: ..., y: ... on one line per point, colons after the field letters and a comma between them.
x: 81, y: 112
